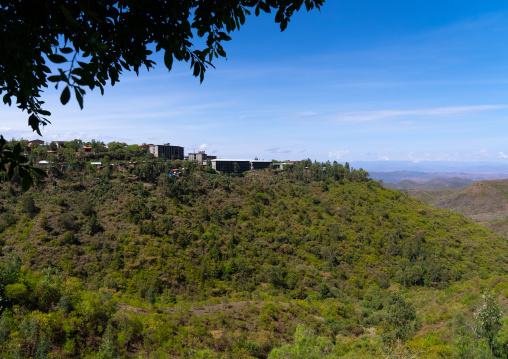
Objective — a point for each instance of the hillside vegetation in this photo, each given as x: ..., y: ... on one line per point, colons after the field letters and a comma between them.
x: 484, y: 202
x: 133, y: 263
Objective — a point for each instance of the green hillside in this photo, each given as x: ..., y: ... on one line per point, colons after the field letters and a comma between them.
x: 132, y: 263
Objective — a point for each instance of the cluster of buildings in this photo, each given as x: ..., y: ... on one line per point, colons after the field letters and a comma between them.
x: 170, y: 152
x: 220, y: 165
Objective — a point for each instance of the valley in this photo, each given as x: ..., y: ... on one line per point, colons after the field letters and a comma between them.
x: 133, y: 263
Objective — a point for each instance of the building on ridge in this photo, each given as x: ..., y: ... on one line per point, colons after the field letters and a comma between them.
x: 201, y: 157
x: 36, y: 143
x: 166, y: 151
x: 260, y: 165
x: 198, y: 156
x: 231, y: 166
x: 239, y: 166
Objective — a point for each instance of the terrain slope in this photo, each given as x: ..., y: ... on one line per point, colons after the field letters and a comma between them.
x: 485, y: 202
x: 121, y: 264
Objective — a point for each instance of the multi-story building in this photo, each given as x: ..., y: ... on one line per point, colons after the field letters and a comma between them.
x: 167, y: 151
x: 200, y: 156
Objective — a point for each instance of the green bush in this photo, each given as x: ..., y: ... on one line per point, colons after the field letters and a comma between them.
x: 27, y: 205
x: 16, y: 292
x: 93, y: 226
x: 306, y: 345
x: 69, y: 238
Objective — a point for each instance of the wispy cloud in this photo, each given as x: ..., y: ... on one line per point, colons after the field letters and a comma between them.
x: 481, y: 154
x: 363, y: 116
x: 337, y: 154
x: 204, y: 146
x: 502, y: 155
x: 277, y: 150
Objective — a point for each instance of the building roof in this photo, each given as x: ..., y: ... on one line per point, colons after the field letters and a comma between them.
x: 231, y: 160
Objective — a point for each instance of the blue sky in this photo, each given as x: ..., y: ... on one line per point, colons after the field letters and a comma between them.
x: 362, y: 80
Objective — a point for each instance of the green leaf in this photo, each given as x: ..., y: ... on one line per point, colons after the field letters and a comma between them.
x: 220, y: 51
x: 57, y: 59
x: 168, y: 60
x: 26, y: 179
x: 17, y: 149
x: 38, y: 172
x: 79, y: 96
x: 202, y: 74
x: 33, y: 122
x: 55, y: 78
x: 65, y: 96
x: 10, y: 172
x: 7, y: 99
x: 68, y: 16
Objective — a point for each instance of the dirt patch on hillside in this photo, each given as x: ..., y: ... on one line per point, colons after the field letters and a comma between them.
x: 203, y: 309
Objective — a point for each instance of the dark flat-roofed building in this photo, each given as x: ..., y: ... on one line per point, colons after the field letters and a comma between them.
x: 167, y: 151
x: 260, y: 165
x: 228, y: 165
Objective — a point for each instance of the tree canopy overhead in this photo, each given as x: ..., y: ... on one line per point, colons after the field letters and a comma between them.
x: 93, y: 42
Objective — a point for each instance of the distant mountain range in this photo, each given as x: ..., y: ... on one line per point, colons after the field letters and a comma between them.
x: 420, y: 176
x: 453, y: 182
x: 487, y: 168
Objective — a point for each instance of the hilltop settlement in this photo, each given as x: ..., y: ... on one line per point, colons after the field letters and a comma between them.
x: 62, y: 154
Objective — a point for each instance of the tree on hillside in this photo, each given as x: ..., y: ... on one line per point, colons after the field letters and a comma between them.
x: 401, y: 321
x: 27, y: 205
x: 95, y: 41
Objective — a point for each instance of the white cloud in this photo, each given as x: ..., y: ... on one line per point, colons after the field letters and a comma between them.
x: 204, y: 146
x: 481, y: 154
x: 362, y: 116
x: 502, y: 155
x: 383, y: 158
x: 277, y: 150
x: 338, y: 154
